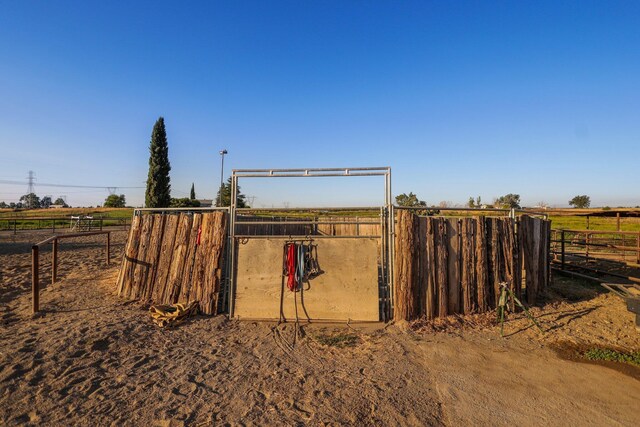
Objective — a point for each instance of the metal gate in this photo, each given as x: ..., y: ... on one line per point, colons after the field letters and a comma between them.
x: 353, y: 244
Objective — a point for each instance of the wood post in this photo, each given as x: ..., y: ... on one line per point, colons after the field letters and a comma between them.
x: 618, y: 220
x: 108, y: 246
x: 638, y: 251
x: 562, y: 248
x: 54, y: 262
x: 35, y: 286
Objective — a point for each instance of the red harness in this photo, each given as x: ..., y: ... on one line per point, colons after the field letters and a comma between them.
x: 291, y: 267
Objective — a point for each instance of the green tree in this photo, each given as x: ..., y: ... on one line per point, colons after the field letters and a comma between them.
x: 224, y: 196
x: 184, y: 202
x: 158, y: 193
x: 46, y: 202
x: 508, y: 201
x: 580, y: 202
x: 115, y: 201
x: 471, y: 203
x: 30, y: 201
x: 409, y: 200
x: 192, y: 194
x: 60, y: 201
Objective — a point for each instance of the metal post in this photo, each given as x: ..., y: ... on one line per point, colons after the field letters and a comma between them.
x: 562, y: 248
x: 587, y: 247
x: 15, y: 226
x: 54, y: 262
x: 101, y: 225
x: 108, y: 246
x: 232, y: 243
x: 35, y: 288
x: 587, y: 222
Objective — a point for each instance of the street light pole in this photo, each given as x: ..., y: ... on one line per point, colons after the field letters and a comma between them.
x: 222, y: 153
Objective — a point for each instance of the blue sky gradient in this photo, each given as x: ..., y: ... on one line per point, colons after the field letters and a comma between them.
x: 459, y: 98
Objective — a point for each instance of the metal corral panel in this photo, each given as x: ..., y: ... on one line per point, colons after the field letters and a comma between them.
x: 347, y: 288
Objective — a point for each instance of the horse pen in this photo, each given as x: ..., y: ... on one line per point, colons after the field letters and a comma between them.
x: 336, y: 315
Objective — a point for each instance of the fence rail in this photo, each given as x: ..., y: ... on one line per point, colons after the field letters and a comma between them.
x: 59, y: 223
x: 35, y: 261
x: 576, y: 249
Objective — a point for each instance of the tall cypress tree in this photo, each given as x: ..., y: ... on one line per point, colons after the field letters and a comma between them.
x: 158, y: 194
x: 192, y: 195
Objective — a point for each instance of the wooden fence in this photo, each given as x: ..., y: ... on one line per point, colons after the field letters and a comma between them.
x: 173, y: 258
x: 455, y: 265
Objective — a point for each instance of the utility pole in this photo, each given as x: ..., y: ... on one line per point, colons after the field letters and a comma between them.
x: 222, y: 153
x: 31, y: 178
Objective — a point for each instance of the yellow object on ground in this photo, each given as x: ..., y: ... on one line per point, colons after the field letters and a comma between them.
x: 171, y: 315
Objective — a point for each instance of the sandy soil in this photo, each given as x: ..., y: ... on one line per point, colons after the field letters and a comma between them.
x: 92, y: 359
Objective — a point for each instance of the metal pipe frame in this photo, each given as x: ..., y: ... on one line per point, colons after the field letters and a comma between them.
x: 179, y: 210
x: 240, y: 222
x: 312, y: 173
x: 302, y: 236
x: 312, y: 209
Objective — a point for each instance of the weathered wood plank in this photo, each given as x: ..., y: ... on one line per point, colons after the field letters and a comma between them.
x: 468, y: 277
x: 164, y: 259
x: 517, y: 261
x: 442, y: 264
x: 180, y: 246
x: 214, y: 263
x: 192, y: 247
x: 453, y: 264
x: 431, y: 269
x: 482, y: 275
x: 151, y: 257
x: 423, y: 267
x: 128, y: 266
x: 406, y: 265
x: 142, y: 267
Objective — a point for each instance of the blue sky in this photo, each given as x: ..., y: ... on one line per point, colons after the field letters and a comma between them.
x: 459, y: 98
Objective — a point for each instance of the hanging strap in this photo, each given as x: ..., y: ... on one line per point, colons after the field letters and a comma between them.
x: 292, y: 282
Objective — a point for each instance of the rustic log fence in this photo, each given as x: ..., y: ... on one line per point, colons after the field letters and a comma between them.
x: 447, y: 265
x: 35, y: 261
x: 175, y: 257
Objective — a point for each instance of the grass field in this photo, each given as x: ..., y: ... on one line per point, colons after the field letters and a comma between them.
x: 564, y: 219
x: 573, y: 222
x: 67, y: 212
x: 60, y: 218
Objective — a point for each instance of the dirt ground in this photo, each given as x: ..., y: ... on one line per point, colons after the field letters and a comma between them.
x: 92, y: 359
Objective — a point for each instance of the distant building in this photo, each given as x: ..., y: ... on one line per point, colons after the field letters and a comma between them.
x: 205, y: 203
x: 56, y: 206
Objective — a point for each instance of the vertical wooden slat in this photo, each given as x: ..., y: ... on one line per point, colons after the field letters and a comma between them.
x: 442, y: 264
x: 142, y: 266
x: 180, y: 247
x: 152, y: 256
x: 406, y: 266
x: 423, y: 267
x: 507, y: 245
x: 130, y: 255
x: 214, y: 251
x: 453, y: 265
x: 187, y: 279
x: 164, y: 258
x: 482, y: 275
x: 517, y: 260
x: 431, y: 270
x: 468, y: 277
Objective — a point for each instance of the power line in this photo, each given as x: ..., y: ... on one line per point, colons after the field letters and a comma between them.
x: 44, y: 184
